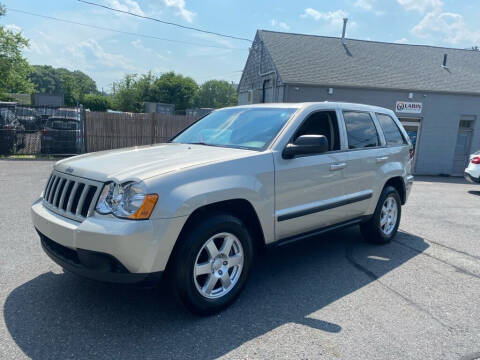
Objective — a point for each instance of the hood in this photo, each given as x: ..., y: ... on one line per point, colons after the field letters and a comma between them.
x: 140, y: 163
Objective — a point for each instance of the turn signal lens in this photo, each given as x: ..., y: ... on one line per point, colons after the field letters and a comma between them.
x: 475, y: 160
x: 146, y: 209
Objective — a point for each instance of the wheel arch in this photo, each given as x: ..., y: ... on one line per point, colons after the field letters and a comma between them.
x: 240, y: 208
x: 398, y: 183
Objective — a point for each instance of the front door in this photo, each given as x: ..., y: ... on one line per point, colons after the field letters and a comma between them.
x: 309, y: 188
x: 462, y: 149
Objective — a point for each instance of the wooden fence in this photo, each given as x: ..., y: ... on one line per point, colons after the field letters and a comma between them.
x: 104, y: 131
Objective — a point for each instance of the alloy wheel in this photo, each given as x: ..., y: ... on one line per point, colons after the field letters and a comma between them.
x: 218, y: 265
x: 389, y: 215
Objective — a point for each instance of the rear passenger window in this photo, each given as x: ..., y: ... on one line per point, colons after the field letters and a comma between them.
x: 361, y: 131
x: 390, y: 129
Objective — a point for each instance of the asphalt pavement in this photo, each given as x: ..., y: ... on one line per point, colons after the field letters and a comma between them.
x: 332, y: 297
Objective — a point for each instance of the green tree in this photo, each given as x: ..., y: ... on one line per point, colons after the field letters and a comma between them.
x: 175, y: 89
x: 144, y: 87
x: 96, y: 102
x: 126, y: 96
x: 216, y: 94
x: 73, y: 84
x: 14, y: 68
x: 84, y: 83
x: 46, y: 79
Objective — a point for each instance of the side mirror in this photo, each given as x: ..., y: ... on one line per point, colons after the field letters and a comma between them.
x: 306, y: 145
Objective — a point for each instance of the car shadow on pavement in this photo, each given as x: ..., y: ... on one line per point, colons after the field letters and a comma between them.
x: 474, y: 192
x: 63, y: 316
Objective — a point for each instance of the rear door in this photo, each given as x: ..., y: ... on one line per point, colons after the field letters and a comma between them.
x: 365, y: 155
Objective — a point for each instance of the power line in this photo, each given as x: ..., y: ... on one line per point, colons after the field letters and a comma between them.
x: 123, y: 32
x: 231, y: 73
x: 165, y: 22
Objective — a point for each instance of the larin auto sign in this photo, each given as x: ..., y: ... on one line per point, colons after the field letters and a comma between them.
x: 408, y: 107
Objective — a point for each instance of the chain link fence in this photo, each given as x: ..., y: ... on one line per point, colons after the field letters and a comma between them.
x: 35, y: 130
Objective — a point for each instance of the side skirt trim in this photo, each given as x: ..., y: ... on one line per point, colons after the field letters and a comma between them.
x: 320, y: 208
x: 319, y: 231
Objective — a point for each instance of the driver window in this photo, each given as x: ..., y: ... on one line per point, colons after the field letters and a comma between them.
x: 322, y: 123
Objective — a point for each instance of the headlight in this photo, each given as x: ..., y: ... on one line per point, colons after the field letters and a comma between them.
x: 128, y: 200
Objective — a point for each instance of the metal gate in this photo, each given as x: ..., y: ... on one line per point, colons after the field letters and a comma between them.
x: 35, y: 130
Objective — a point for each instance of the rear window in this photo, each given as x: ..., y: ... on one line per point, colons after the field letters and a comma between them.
x: 392, y: 133
x: 67, y: 113
x: 361, y: 131
x: 63, y: 125
x: 25, y: 112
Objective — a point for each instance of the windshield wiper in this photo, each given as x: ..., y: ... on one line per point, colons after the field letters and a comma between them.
x: 201, y: 143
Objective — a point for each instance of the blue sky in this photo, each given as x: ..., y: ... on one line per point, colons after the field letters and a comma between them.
x: 108, y: 56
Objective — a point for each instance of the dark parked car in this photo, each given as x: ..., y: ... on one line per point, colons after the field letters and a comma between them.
x: 72, y: 113
x: 61, y: 135
x: 43, y: 114
x: 12, y: 133
x: 27, y: 117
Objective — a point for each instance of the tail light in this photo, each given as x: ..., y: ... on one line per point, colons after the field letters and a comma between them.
x: 44, y: 131
x: 475, y: 160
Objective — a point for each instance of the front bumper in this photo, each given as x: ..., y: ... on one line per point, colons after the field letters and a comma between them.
x: 139, y: 247
x: 94, y: 265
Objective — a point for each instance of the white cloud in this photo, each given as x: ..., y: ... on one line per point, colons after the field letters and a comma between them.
x: 137, y: 44
x: 421, y: 5
x: 39, y: 48
x: 368, y: 5
x: 182, y: 11
x: 13, y: 27
x: 401, y: 41
x: 126, y: 5
x: 83, y: 53
x: 280, y: 24
x: 334, y: 18
x: 364, y: 4
x: 449, y: 27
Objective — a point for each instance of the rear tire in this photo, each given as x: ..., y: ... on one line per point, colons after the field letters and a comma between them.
x: 211, y: 263
x: 383, y: 225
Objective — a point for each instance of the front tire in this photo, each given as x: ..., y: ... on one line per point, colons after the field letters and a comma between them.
x: 211, y: 263
x: 383, y: 225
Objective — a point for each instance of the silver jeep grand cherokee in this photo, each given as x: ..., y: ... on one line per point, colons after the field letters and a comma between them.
x: 199, y: 206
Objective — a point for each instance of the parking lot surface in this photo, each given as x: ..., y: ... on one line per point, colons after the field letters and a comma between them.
x: 332, y: 297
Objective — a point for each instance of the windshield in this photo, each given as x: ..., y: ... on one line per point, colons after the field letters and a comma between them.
x: 251, y: 128
x: 25, y: 112
x: 67, y: 113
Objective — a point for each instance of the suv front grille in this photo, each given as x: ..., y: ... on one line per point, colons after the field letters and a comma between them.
x: 71, y: 196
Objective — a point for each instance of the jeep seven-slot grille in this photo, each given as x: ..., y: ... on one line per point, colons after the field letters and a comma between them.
x: 71, y: 196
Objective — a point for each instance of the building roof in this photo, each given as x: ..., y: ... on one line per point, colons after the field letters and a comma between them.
x: 319, y: 60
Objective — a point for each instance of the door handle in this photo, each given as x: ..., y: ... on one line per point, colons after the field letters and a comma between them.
x: 382, y: 159
x: 339, y: 166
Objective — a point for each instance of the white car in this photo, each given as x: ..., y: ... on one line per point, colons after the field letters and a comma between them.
x: 241, y: 178
x: 472, y: 172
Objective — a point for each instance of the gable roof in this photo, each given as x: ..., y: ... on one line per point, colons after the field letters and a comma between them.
x: 320, y: 60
